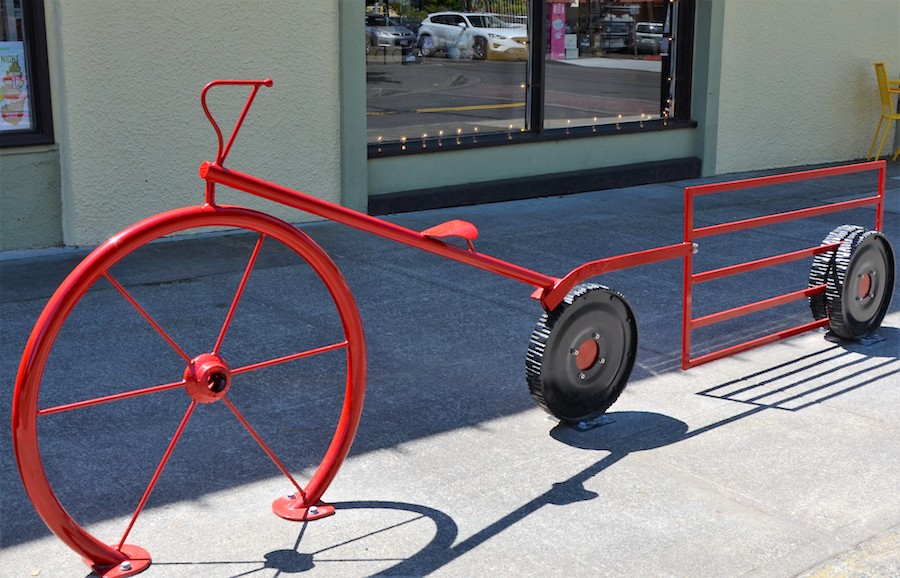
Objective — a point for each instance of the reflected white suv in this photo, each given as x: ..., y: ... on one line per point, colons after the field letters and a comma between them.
x: 476, y: 35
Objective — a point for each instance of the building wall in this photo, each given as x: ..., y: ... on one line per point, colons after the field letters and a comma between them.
x: 777, y: 83
x: 126, y: 83
x: 797, y: 85
x: 30, y: 212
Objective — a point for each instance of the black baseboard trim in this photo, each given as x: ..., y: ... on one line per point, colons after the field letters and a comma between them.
x: 536, y: 186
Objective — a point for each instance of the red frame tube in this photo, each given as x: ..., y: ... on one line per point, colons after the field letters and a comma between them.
x: 691, y: 234
x: 214, y: 173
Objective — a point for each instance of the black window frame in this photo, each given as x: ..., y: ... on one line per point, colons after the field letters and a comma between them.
x: 680, y: 117
x: 41, y: 130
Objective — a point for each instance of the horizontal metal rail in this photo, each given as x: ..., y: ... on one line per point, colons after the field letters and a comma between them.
x: 691, y: 234
x: 762, y: 263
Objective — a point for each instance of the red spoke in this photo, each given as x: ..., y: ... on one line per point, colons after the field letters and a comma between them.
x: 108, y: 398
x: 147, y: 317
x: 262, y: 444
x: 156, y: 474
x: 292, y: 357
x: 238, y: 293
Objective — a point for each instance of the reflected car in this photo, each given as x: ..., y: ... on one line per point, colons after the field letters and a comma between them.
x: 478, y: 35
x: 648, y: 36
x: 382, y: 31
x: 615, y: 35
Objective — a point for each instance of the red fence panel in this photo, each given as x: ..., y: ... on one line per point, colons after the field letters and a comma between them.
x: 691, y: 234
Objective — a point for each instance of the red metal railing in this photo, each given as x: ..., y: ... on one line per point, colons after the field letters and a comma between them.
x: 691, y: 234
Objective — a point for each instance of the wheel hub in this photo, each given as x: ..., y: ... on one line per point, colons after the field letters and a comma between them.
x: 864, y: 286
x: 587, y: 355
x: 207, y: 378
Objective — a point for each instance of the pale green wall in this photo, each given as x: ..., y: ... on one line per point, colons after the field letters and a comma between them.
x: 127, y: 79
x: 776, y: 83
x: 707, y: 69
x: 505, y: 162
x: 354, y: 176
x: 797, y: 83
x: 30, y: 212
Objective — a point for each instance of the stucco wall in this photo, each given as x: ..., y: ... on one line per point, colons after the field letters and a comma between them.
x: 29, y: 200
x: 797, y: 82
x: 127, y: 78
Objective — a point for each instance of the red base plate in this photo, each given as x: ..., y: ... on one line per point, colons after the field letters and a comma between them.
x: 294, y: 508
x: 138, y: 561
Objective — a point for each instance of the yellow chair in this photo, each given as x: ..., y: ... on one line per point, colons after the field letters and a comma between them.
x: 886, y: 89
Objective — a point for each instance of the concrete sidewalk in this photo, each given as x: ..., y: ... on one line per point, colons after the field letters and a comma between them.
x: 779, y: 462
x: 648, y: 65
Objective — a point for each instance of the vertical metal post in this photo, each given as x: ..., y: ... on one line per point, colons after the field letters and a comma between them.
x: 688, y: 274
x: 537, y: 48
x: 879, y: 209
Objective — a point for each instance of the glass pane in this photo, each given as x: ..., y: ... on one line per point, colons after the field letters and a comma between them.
x: 445, y: 74
x: 15, y: 110
x: 603, y: 64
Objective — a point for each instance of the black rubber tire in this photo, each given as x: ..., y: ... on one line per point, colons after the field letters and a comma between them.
x: 563, y: 384
x: 860, y: 285
x: 823, y: 266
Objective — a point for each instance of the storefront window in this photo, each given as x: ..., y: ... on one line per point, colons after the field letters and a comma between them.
x: 24, y: 87
x: 446, y: 74
x: 474, y: 72
x: 603, y: 63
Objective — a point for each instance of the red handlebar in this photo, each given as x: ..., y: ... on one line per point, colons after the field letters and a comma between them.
x: 222, y: 151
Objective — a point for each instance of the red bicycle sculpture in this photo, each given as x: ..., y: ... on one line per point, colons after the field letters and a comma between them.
x: 579, y: 358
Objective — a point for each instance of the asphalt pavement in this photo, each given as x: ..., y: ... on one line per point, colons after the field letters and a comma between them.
x: 781, y: 461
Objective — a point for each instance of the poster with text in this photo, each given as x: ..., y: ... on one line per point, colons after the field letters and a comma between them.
x: 15, y: 113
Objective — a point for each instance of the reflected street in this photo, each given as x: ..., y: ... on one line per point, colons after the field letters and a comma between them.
x: 443, y: 97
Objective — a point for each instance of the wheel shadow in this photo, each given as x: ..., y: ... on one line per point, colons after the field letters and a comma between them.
x: 794, y: 385
x: 622, y: 434
x: 816, y: 377
x: 296, y: 559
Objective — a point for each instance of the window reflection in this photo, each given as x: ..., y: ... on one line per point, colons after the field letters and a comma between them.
x: 462, y: 76
x: 452, y: 75
x: 603, y: 62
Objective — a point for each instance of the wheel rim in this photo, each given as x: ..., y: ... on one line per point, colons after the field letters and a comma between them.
x: 581, y: 354
x: 479, y: 49
x: 205, y: 378
x: 859, y: 292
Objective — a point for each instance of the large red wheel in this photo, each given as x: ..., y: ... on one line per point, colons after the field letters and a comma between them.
x: 217, y: 370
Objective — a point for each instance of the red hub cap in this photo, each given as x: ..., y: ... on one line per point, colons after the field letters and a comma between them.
x: 588, y: 354
x: 865, y: 286
x: 207, y: 378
